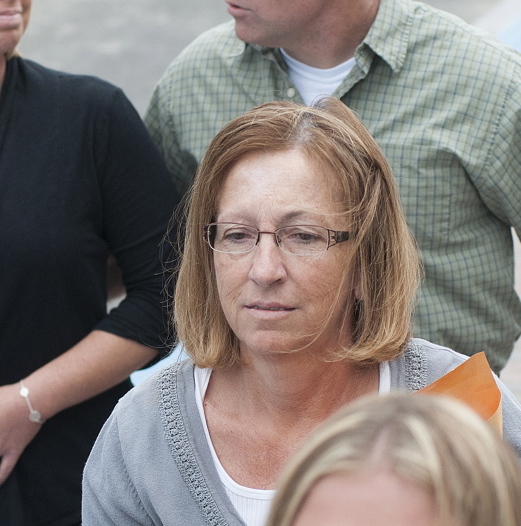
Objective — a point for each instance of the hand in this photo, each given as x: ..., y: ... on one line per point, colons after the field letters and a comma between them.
x: 16, y: 430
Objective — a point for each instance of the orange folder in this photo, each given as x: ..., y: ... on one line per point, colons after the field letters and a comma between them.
x: 473, y: 383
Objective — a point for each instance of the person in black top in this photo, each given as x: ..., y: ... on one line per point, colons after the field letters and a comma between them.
x: 79, y: 179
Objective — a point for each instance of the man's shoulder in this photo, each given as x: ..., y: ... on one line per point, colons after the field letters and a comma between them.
x: 219, y: 41
x: 449, y: 33
x: 212, y: 55
x: 419, y: 37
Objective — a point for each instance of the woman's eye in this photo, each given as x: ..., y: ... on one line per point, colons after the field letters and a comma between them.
x: 304, y: 236
x: 237, y: 236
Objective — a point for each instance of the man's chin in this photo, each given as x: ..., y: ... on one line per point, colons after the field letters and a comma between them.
x: 248, y: 36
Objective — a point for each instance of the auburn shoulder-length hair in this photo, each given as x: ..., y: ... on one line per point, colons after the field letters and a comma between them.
x: 385, y: 255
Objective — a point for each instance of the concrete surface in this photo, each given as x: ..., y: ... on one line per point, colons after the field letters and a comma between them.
x: 130, y: 42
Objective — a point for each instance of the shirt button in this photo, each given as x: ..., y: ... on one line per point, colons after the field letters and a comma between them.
x: 291, y: 92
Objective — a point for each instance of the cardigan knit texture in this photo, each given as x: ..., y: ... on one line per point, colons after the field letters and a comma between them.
x: 151, y: 464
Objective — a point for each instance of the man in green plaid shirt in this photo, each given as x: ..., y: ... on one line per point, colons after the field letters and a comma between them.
x: 443, y: 101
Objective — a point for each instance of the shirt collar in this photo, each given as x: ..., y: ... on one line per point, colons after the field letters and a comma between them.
x: 389, y: 35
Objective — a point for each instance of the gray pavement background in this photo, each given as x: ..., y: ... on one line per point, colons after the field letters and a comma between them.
x: 130, y: 42
x: 127, y: 42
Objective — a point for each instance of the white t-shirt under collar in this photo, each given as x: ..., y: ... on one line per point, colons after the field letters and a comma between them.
x: 252, y: 504
x: 313, y: 83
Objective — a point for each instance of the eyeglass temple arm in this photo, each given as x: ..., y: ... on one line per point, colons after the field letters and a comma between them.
x: 337, y: 236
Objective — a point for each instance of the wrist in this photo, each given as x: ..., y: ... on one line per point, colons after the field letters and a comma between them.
x: 34, y: 414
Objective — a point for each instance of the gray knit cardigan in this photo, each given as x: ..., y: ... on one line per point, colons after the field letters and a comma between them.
x: 151, y: 464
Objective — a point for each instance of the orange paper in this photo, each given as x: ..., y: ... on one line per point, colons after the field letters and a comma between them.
x: 473, y: 383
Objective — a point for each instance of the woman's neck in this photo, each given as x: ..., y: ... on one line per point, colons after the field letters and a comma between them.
x: 3, y: 62
x: 297, y: 386
x: 259, y: 413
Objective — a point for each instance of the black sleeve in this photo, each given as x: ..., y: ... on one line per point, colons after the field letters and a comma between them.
x: 138, y: 199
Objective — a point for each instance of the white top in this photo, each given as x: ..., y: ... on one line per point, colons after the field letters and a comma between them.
x: 313, y: 83
x: 252, y: 504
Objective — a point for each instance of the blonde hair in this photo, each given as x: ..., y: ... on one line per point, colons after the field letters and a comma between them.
x: 385, y: 256
x: 432, y: 441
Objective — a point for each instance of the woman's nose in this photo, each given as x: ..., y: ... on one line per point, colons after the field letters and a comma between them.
x: 267, y: 264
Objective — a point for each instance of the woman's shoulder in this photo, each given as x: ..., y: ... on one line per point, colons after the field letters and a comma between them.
x: 164, y: 382
x: 68, y: 85
x: 421, y: 363
x: 154, y: 405
x: 37, y: 70
x: 434, y: 353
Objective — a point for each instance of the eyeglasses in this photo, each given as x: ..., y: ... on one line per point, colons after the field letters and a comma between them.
x: 300, y: 240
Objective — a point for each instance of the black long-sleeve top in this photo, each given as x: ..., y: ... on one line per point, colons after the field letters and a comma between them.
x: 79, y: 179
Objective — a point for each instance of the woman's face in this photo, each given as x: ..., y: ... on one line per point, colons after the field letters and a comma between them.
x: 14, y: 16
x: 272, y: 300
x: 369, y: 499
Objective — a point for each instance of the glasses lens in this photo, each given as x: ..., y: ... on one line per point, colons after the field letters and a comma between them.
x: 303, y: 240
x: 232, y: 238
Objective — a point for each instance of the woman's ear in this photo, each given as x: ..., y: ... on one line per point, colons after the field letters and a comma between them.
x: 358, y: 288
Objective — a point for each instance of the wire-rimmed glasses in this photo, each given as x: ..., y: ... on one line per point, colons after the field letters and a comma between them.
x: 299, y: 240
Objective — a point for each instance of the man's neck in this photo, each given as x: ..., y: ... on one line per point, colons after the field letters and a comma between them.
x: 341, y: 33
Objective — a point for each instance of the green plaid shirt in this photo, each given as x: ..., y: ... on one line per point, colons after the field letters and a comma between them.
x: 443, y: 100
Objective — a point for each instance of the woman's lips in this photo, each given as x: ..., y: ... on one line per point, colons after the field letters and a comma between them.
x: 269, y: 308
x: 269, y: 313
x: 10, y: 19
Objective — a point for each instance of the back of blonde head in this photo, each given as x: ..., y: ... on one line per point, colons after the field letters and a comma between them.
x: 436, y: 443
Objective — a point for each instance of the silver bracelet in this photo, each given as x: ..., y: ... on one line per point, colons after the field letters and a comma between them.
x: 34, y: 415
